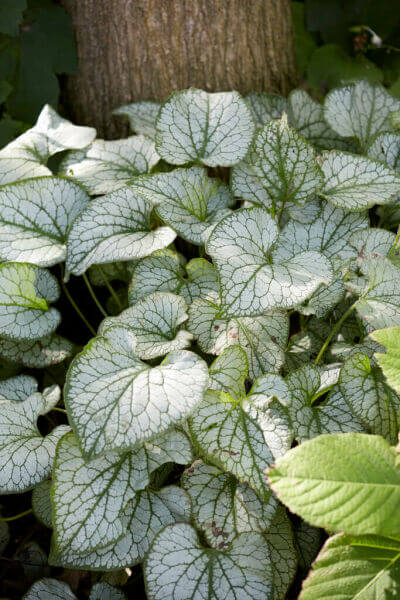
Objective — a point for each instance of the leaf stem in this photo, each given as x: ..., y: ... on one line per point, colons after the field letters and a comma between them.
x: 334, y: 330
x: 94, y: 297
x: 76, y: 307
x: 109, y: 287
x: 58, y: 409
x: 15, y: 517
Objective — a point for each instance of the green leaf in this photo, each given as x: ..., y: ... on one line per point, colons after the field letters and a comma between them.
x: 187, y: 200
x: 37, y: 354
x: 342, y: 482
x: 144, y: 517
x: 35, y: 216
x: 360, y: 110
x: 252, y: 282
x: 280, y: 169
x: 364, y: 567
x: 11, y: 16
x: 142, y: 117
x: 41, y: 503
x: 356, y: 183
x: 178, y: 564
x: 112, y: 228
x: 26, y: 458
x: 212, y: 129
x: 368, y: 396
x: 25, y: 294
x: 117, y: 402
x: 389, y: 362
x: 106, y: 166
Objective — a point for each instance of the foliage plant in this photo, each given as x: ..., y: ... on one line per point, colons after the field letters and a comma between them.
x: 241, y: 265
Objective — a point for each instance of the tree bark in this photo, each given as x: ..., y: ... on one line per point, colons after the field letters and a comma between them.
x: 132, y: 50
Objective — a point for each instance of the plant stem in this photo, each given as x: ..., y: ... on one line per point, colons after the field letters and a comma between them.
x: 15, y: 517
x: 94, y: 297
x: 76, y: 307
x: 58, y: 409
x: 110, y: 287
x: 334, y: 330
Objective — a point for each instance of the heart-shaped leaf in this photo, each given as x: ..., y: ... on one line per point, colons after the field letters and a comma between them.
x: 142, y: 116
x: 36, y: 354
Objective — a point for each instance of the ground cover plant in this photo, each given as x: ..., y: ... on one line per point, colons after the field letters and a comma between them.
x: 199, y: 330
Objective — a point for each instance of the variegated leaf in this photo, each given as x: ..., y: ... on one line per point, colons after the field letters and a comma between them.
x: 142, y: 116
x: 36, y: 354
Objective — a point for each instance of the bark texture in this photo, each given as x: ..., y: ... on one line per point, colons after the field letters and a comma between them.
x: 133, y: 50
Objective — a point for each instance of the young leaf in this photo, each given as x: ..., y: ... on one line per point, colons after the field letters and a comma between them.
x: 342, y: 482
x: 368, y: 396
x: 117, y: 402
x: 142, y: 117
x: 26, y: 458
x: 251, y: 282
x: 178, y: 565
x: 356, y: 183
x: 35, y: 216
x: 213, y: 129
x: 25, y: 294
x: 18, y: 388
x: 154, y: 322
x: 36, y: 354
x: 106, y: 166
x: 114, y: 227
x: 389, y: 362
x: 187, y: 200
x: 355, y: 567
x: 280, y: 169
x: 360, y: 110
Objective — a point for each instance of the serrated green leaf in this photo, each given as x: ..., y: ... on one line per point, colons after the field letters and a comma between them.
x: 142, y: 116
x: 144, y: 516
x: 229, y: 371
x: 18, y: 388
x: 360, y: 110
x: 342, y: 482
x: 116, y: 401
x: 155, y: 322
x: 25, y: 294
x: 280, y: 169
x: 187, y: 200
x: 197, y: 279
x: 178, y: 564
x: 106, y: 166
x: 41, y: 503
x: 36, y: 354
x: 356, y: 183
x: 263, y: 338
x: 26, y: 457
x: 35, y: 216
x: 365, y: 567
x: 252, y: 282
x: 390, y: 361
x: 213, y: 129
x: 368, y: 396
x: 114, y: 227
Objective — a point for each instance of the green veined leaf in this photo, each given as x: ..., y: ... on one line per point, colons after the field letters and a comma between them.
x: 213, y: 129
x: 26, y: 458
x: 106, y: 166
x: 61, y: 133
x: 364, y: 567
x: 360, y: 110
x: 25, y: 294
x: 41, y: 503
x: 389, y: 362
x: 368, y: 396
x: 144, y: 516
x: 251, y: 282
x: 229, y: 371
x: 155, y: 322
x: 18, y: 388
x: 159, y: 272
x: 35, y: 216
x: 263, y: 338
x: 178, y: 564
x: 117, y: 402
x: 104, y: 591
x: 283, y: 554
x: 221, y: 431
x: 342, y: 482
x: 37, y: 354
x: 142, y: 116
x: 356, y: 183
x: 386, y: 147
x: 372, y: 242
x: 120, y: 271
x: 187, y: 200
x: 114, y: 227
x: 307, y: 541
x: 266, y: 106
x: 379, y: 303
x: 280, y: 169
x: 49, y: 589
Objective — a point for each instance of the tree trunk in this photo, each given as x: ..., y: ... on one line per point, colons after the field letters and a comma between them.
x: 133, y: 50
